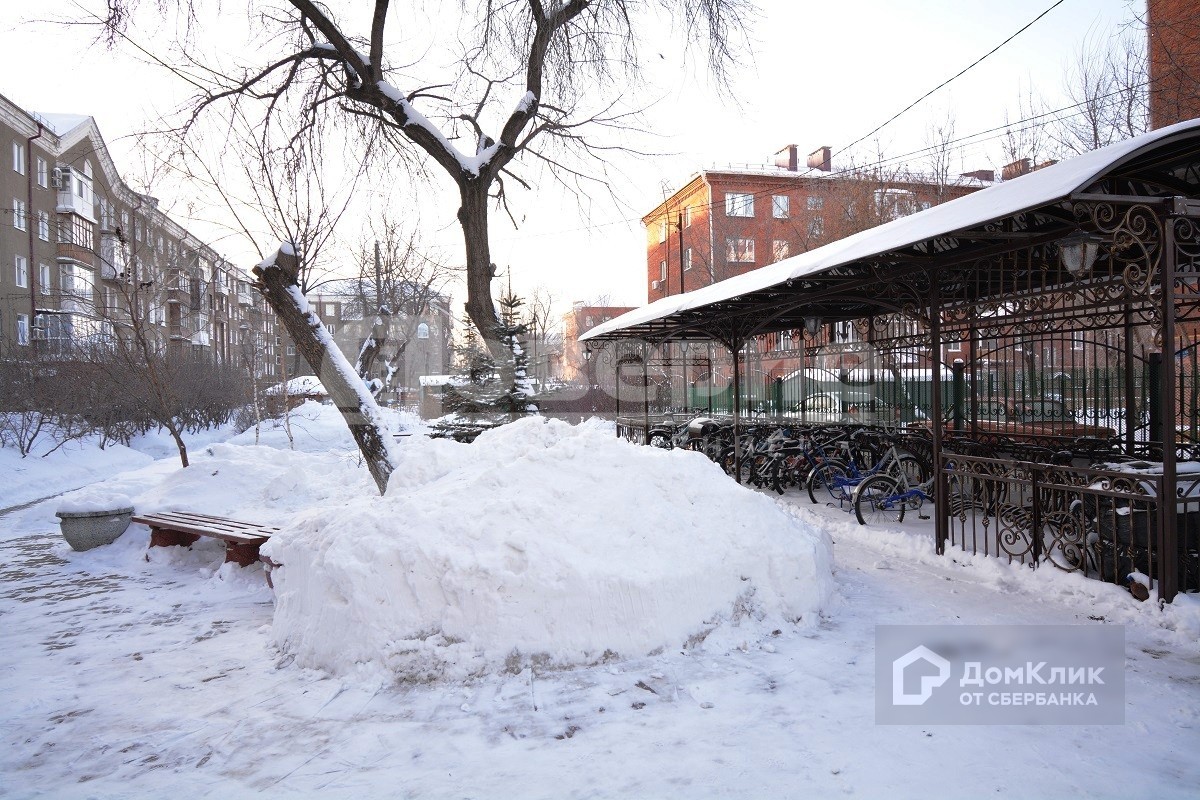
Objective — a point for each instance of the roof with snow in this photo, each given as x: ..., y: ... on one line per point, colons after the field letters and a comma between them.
x: 835, y: 281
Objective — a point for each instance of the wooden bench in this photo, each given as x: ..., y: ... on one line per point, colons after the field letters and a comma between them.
x: 183, y: 528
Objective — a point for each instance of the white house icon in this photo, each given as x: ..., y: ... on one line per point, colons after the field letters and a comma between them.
x: 928, y: 682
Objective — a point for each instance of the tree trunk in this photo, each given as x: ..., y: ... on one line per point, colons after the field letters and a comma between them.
x: 480, y: 308
x: 277, y: 283
x: 374, y: 343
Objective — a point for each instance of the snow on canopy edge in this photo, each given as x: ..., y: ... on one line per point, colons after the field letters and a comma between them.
x: 1033, y: 190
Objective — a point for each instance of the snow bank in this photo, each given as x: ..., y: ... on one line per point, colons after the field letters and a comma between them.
x: 544, y: 544
x: 93, y: 498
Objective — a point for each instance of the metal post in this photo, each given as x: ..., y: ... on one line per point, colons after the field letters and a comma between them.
x: 960, y: 392
x: 1131, y: 413
x: 940, y: 490
x: 645, y: 395
x: 1169, y: 563
x: 734, y: 346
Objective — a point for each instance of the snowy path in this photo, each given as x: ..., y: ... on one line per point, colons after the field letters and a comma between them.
x: 127, y: 678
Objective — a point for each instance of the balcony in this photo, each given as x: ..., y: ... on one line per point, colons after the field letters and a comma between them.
x: 244, y: 298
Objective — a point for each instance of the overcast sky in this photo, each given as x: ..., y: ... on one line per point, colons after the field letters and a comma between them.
x: 818, y: 74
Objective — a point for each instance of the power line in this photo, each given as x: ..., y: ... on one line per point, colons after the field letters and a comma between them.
x: 954, y: 77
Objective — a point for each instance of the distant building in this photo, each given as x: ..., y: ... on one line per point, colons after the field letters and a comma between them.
x: 80, y: 250
x: 416, y: 346
x: 580, y: 319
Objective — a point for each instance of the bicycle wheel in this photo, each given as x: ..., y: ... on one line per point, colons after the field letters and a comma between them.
x: 912, y: 468
x: 876, y: 501
x: 826, y: 481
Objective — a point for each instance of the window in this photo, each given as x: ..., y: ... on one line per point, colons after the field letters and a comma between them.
x: 330, y: 310
x: 687, y: 217
x: 739, y: 250
x: 44, y: 278
x: 43, y: 172
x: 22, y: 329
x: 68, y: 279
x: 955, y: 346
x: 739, y: 204
x: 22, y: 271
x: 18, y: 158
x: 779, y: 250
x: 291, y: 349
x: 816, y: 227
x: 662, y: 232
x: 18, y: 214
x: 423, y: 331
x: 587, y: 321
x: 815, y: 203
x: 662, y: 271
x: 44, y: 226
x: 687, y: 259
x: 1077, y: 340
x: 780, y: 206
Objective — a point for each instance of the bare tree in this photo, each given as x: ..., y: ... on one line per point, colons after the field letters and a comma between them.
x: 940, y: 152
x: 533, y: 73
x: 1107, y: 85
x: 397, y: 275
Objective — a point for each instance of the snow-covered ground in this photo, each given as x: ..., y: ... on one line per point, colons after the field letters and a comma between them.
x: 128, y: 676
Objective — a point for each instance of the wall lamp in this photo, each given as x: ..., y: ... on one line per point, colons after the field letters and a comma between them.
x: 1079, y: 251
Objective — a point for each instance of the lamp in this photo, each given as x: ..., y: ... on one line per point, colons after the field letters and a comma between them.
x: 1079, y: 251
x: 812, y: 325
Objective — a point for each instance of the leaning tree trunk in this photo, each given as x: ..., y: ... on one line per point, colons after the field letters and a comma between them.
x: 473, y: 218
x: 373, y: 344
x: 278, y: 284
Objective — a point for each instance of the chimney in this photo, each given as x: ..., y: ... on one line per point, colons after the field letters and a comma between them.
x: 821, y: 158
x: 985, y: 175
x: 788, y: 158
x: 1015, y: 170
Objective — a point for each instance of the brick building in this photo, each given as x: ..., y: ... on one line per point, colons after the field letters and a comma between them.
x: 725, y: 222
x: 579, y: 320
x: 426, y: 337
x: 1173, y: 33
x: 81, y: 251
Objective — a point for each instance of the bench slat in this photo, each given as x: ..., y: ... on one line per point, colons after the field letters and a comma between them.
x: 206, y: 525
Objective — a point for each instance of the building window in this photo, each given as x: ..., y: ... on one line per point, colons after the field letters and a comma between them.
x: 815, y: 203
x: 687, y: 217
x: 587, y: 321
x: 816, y: 227
x: 291, y: 349
x: 1077, y: 340
x: 22, y: 329
x: 780, y: 206
x: 423, y: 331
x: 739, y: 250
x: 954, y: 347
x: 687, y: 259
x: 22, y: 272
x: 44, y: 226
x: 44, y: 278
x: 662, y: 271
x: 43, y: 172
x: 18, y: 214
x: 739, y: 204
x: 662, y: 232
x: 68, y: 279
x: 18, y: 158
x: 780, y: 250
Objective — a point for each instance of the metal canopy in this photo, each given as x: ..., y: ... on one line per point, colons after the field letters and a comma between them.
x: 890, y: 268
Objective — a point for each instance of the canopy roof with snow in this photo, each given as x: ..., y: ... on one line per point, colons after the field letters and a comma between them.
x: 841, y: 280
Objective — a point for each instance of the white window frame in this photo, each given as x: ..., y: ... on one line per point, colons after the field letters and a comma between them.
x: 954, y: 346
x: 662, y: 232
x: 687, y: 216
x: 739, y: 204
x: 781, y: 206
x: 44, y: 277
x: 19, y: 214
x: 43, y: 172
x: 22, y: 329
x: 18, y: 151
x: 21, y: 271
x: 687, y: 259
x: 662, y: 271
x: 1077, y: 340
x: 44, y: 225
x: 815, y: 202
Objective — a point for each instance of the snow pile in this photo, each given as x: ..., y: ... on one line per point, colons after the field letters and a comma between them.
x: 92, y: 499
x: 543, y: 544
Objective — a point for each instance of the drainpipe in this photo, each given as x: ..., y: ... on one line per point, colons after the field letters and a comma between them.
x: 29, y: 217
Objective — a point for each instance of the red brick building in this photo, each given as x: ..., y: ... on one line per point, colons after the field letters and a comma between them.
x: 725, y: 222
x: 580, y: 319
x: 1173, y: 30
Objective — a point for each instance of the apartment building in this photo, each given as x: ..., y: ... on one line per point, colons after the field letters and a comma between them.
x: 418, y: 343
x: 81, y: 251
